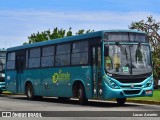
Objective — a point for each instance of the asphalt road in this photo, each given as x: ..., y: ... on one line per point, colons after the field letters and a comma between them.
x: 70, y: 109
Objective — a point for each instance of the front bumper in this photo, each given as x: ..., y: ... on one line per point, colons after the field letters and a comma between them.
x: 109, y: 93
x: 2, y: 86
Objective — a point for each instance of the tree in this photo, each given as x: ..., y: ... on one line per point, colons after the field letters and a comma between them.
x: 51, y: 35
x: 151, y: 27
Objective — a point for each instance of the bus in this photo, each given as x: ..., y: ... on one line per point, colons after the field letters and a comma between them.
x: 107, y: 64
x: 2, y: 69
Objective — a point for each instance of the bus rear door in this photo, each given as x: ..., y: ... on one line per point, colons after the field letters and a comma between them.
x: 20, y: 65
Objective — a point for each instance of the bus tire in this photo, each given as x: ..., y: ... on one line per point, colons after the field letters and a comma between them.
x: 121, y: 101
x: 62, y: 99
x: 81, y: 95
x: 38, y: 97
x: 0, y: 91
x: 30, y: 91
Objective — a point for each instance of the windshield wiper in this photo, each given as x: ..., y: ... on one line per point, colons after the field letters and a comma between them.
x: 123, y: 50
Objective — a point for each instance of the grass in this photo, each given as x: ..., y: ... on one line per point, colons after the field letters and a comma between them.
x: 6, y: 92
x: 155, y: 97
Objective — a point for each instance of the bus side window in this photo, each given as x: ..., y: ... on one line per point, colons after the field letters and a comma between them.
x: 82, y: 61
x: 108, y: 60
x: 63, y: 55
x: 79, y: 54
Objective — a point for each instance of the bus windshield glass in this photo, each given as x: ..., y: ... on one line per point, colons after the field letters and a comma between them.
x: 127, y: 59
x: 2, y: 61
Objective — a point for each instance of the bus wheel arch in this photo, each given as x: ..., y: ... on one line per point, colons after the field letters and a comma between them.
x: 79, y: 92
x: 29, y: 90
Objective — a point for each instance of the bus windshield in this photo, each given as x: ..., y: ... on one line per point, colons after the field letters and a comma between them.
x: 2, y: 61
x: 127, y: 59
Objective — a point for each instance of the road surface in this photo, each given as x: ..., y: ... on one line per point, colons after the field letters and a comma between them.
x: 70, y: 109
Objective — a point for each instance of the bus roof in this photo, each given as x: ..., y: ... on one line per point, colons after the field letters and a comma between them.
x: 2, y: 50
x: 70, y: 38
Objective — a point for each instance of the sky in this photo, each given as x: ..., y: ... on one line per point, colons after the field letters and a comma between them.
x: 20, y: 18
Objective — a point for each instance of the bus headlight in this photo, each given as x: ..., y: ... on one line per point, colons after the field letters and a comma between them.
x: 112, y: 84
x: 149, y: 83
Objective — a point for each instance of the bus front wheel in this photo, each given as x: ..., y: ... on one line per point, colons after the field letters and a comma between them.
x: 121, y: 101
x: 81, y: 95
x: 29, y: 91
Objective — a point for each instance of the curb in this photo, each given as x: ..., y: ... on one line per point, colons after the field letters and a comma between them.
x: 144, y: 102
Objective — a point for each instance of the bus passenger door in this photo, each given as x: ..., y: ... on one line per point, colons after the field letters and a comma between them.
x: 20, y: 65
x: 96, y: 62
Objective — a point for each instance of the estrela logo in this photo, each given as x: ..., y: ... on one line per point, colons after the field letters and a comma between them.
x: 55, y: 78
x: 60, y: 76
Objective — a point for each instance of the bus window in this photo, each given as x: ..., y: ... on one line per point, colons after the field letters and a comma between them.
x: 79, y: 53
x: 2, y: 64
x: 47, y: 59
x: 63, y: 55
x: 63, y: 60
x: 108, y: 60
x: 34, y: 58
x: 11, y: 60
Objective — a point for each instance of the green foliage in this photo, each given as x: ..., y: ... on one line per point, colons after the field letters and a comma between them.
x: 151, y: 27
x: 155, y: 97
x: 53, y: 34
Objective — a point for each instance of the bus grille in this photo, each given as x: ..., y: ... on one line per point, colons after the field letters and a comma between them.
x: 3, y: 88
x: 136, y: 80
x: 129, y: 86
x: 2, y: 79
x: 128, y: 92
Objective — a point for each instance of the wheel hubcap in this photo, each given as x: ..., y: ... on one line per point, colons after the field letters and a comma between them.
x: 79, y: 93
x: 29, y: 92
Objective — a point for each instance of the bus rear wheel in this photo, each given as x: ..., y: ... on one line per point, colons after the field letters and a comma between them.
x: 121, y: 101
x: 29, y: 91
x: 62, y: 99
x: 81, y: 95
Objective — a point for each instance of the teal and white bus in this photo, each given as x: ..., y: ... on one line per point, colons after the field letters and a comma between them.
x: 2, y: 69
x: 99, y: 65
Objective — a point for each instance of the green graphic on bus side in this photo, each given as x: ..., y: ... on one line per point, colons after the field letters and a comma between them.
x: 60, y: 76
